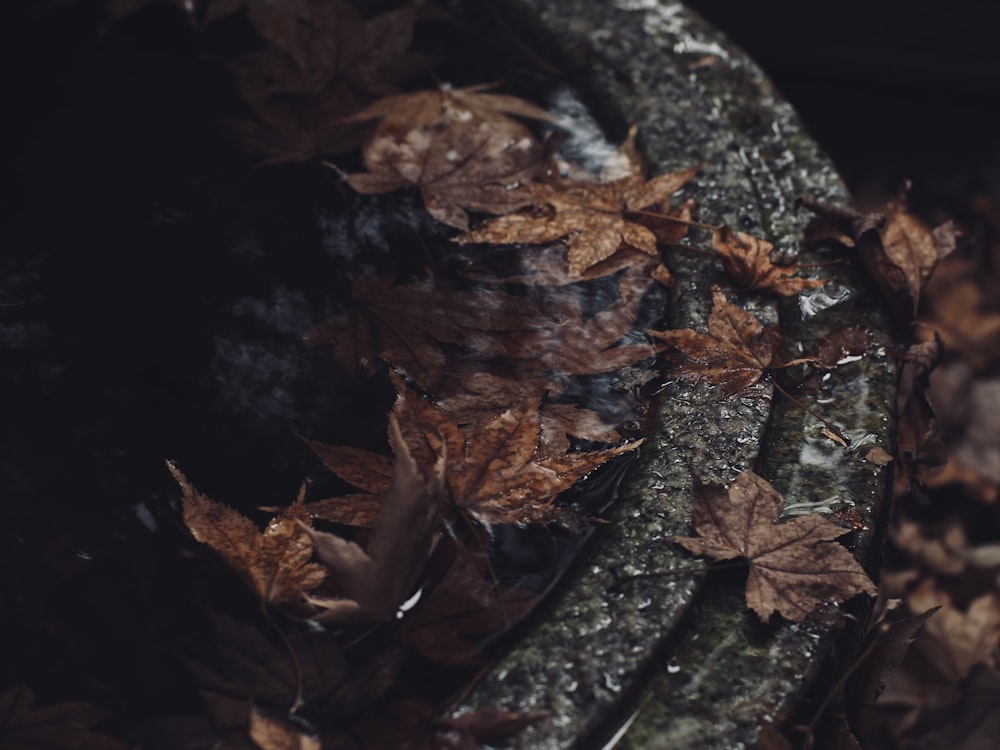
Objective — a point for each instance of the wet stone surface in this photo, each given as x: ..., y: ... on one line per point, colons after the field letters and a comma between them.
x: 626, y: 651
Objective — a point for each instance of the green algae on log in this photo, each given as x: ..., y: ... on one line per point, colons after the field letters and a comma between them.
x: 627, y: 649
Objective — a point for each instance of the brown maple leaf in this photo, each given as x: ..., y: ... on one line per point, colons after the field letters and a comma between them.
x: 459, y: 146
x: 597, y: 218
x: 376, y: 580
x: 897, y: 248
x: 747, y: 261
x: 735, y: 353
x: 62, y: 726
x: 495, y: 474
x: 794, y: 565
x: 275, y: 564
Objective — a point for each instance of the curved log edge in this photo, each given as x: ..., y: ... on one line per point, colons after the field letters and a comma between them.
x: 679, y: 658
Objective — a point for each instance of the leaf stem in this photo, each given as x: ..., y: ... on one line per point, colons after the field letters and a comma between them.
x: 296, y: 665
x: 826, y: 423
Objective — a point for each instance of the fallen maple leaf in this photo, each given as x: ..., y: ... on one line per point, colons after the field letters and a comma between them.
x: 495, y: 474
x: 747, y: 260
x: 597, y: 218
x: 376, y: 580
x: 794, y: 565
x: 460, y: 146
x: 734, y: 354
x: 275, y: 564
x: 63, y: 726
x: 897, y: 248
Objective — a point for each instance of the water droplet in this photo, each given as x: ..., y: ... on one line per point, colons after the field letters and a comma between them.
x: 816, y: 300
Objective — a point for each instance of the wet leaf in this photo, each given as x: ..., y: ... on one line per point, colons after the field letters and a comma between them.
x: 747, y: 260
x: 897, y: 248
x: 842, y: 344
x: 596, y: 218
x: 375, y: 581
x: 459, y: 146
x: 735, y: 353
x: 62, y: 726
x: 275, y: 564
x: 496, y: 473
x: 794, y: 565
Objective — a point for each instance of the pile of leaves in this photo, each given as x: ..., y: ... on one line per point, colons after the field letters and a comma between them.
x: 501, y: 345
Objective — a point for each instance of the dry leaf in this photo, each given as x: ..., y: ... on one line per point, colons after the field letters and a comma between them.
x: 734, y: 354
x: 376, y: 580
x: 747, y: 260
x: 275, y: 564
x: 597, y: 219
x: 794, y: 565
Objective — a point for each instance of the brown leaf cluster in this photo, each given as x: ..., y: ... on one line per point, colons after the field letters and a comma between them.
x: 459, y: 146
x: 596, y: 218
x: 496, y: 472
x: 795, y: 565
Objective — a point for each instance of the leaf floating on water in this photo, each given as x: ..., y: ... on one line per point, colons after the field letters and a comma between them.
x: 275, y: 564
x: 794, y: 565
x: 376, y: 580
x: 596, y: 218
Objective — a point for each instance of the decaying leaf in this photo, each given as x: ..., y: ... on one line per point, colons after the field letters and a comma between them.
x: 735, y: 353
x: 897, y: 248
x: 275, y: 564
x: 496, y: 473
x: 842, y: 345
x: 63, y: 726
x: 794, y: 565
x: 460, y: 146
x: 376, y: 580
x: 747, y: 260
x: 597, y: 218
